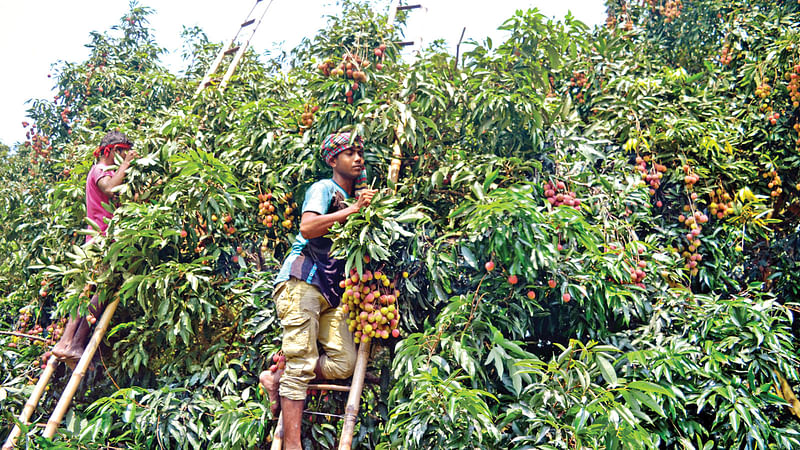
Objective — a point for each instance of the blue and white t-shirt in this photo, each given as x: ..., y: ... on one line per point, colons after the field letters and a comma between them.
x: 310, y: 260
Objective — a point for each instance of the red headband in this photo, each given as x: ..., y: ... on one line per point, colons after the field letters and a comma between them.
x: 108, y: 148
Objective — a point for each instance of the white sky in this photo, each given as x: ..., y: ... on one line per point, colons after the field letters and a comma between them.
x: 36, y: 34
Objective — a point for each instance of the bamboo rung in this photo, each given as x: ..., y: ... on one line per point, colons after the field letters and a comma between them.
x: 329, y: 387
x: 232, y: 50
x: 249, y: 22
x: 317, y: 413
x: 408, y: 7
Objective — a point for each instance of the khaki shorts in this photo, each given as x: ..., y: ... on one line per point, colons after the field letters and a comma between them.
x: 306, y: 317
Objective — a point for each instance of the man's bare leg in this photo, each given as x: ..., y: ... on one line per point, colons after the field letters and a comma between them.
x: 60, y: 350
x: 292, y: 422
x: 73, y: 342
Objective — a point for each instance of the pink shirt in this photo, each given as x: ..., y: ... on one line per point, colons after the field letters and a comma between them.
x: 95, y: 198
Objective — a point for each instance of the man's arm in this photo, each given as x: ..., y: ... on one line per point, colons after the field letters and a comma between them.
x: 106, y: 184
x: 313, y: 225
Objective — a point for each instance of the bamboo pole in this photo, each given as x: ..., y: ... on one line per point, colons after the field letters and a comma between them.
x: 354, y: 398
x: 80, y: 371
x: 329, y: 387
x: 277, y: 438
x: 394, y: 167
x: 30, y: 405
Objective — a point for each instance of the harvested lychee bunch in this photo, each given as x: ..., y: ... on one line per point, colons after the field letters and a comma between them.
x: 370, y: 302
x: 557, y: 195
x: 279, y: 360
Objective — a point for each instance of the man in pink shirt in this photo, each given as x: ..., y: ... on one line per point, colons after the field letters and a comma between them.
x: 99, y: 185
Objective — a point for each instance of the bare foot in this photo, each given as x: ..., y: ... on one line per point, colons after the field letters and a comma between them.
x: 70, y: 354
x: 271, y: 381
x: 61, y: 349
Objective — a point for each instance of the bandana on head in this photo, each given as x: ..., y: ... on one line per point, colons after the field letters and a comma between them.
x: 105, y: 151
x: 337, y: 143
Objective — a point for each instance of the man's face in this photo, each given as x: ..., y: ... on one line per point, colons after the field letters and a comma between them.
x: 349, y: 163
x: 120, y: 150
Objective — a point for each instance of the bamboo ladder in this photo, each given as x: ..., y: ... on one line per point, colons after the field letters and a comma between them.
x: 231, y: 47
x: 356, y: 388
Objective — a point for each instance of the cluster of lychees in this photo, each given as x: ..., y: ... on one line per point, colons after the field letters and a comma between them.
x: 763, y: 90
x: 638, y: 274
x: 775, y: 183
x: 671, y: 10
x: 307, y: 118
x: 370, y: 302
x: 721, y: 204
x: 52, y: 333
x: 794, y: 85
x: 578, y: 81
x: 611, y: 21
x: 266, y: 210
x: 652, y: 175
x: 227, y: 225
x: 38, y: 142
x: 773, y: 118
x: 726, y: 55
x: 557, y: 195
x: 352, y: 67
x: 694, y: 225
x: 690, y: 179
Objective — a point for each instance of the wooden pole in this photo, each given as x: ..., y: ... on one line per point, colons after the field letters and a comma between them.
x: 80, y: 371
x: 354, y: 398
x: 394, y: 166
x: 23, y: 335
x: 30, y: 405
x: 277, y: 438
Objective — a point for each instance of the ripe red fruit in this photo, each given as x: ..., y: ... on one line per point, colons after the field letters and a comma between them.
x: 489, y: 266
x: 396, y: 333
x: 552, y: 283
x: 531, y: 295
x: 566, y: 298
x: 512, y: 279
x: 235, y: 258
x: 184, y: 233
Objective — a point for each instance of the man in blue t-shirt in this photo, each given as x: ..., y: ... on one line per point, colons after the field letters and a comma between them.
x: 307, y: 293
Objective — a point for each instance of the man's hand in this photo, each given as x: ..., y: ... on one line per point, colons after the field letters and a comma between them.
x: 365, y: 198
x: 130, y: 156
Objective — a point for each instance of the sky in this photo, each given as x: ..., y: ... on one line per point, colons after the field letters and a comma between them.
x: 36, y: 34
